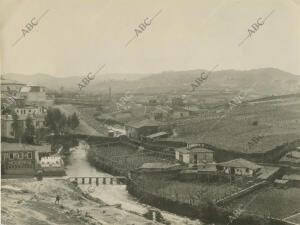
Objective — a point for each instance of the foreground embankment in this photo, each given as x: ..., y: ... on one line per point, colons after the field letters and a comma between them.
x: 31, y: 202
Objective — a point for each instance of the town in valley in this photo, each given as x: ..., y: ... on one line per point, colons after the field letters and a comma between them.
x: 134, y: 128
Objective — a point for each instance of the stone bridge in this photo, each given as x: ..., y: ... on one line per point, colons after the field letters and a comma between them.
x: 118, y: 180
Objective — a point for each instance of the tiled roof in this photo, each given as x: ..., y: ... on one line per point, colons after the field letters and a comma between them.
x: 240, y: 163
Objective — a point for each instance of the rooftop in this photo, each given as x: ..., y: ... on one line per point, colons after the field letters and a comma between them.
x: 240, y: 163
x: 12, y: 147
x: 144, y: 123
x: 158, y: 165
x: 295, y: 177
x: 193, y: 150
x: 10, y: 82
x: 159, y: 134
x: 293, y: 157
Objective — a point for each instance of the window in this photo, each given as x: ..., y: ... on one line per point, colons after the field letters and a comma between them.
x: 195, y: 158
x: 29, y: 155
x: 180, y: 157
x: 20, y: 155
x: 11, y: 155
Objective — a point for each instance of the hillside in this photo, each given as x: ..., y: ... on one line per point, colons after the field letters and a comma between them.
x: 265, y: 81
x: 276, y: 121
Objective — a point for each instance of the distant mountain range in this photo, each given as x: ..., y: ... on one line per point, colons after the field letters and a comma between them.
x: 265, y: 81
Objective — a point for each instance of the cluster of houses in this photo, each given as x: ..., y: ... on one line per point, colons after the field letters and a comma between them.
x: 202, y: 159
x: 26, y: 101
x: 194, y: 161
x: 158, y: 117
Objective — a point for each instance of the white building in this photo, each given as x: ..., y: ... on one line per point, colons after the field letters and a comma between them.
x: 194, y: 155
x: 239, y: 167
x: 30, y: 111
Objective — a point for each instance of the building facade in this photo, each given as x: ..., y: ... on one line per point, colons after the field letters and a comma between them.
x: 141, y: 128
x: 196, y: 155
x: 18, y: 159
x: 35, y: 95
x: 7, y: 130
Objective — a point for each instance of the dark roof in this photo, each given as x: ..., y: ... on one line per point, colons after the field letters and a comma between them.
x: 14, y: 147
x: 194, y: 150
x: 240, y: 163
x: 144, y: 123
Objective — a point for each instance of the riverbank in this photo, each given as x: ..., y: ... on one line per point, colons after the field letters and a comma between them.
x: 114, y: 194
x: 31, y: 202
x: 195, y: 200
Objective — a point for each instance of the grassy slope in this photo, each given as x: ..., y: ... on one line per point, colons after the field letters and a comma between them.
x: 278, y: 122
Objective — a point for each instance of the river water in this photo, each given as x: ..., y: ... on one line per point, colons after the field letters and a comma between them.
x: 112, y: 194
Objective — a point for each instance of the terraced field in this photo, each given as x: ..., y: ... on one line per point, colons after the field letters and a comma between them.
x: 277, y: 122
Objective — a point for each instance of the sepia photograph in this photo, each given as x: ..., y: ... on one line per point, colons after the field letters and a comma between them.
x: 143, y: 112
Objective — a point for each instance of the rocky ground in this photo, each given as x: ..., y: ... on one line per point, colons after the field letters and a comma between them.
x: 31, y: 202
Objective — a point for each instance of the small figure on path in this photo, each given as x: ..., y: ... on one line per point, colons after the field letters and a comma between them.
x: 57, y: 199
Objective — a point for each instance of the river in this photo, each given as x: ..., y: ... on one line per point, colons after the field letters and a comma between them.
x: 113, y: 194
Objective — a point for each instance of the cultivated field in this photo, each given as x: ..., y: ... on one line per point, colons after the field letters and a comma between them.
x: 270, y: 201
x: 276, y: 121
x: 193, y: 193
x: 125, y: 157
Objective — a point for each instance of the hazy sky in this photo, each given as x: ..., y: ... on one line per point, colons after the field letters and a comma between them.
x: 78, y: 36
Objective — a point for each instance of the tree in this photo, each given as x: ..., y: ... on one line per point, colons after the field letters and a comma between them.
x: 55, y: 120
x: 28, y: 135
x: 75, y: 121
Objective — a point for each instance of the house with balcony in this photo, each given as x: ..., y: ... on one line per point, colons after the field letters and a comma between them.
x: 18, y: 159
